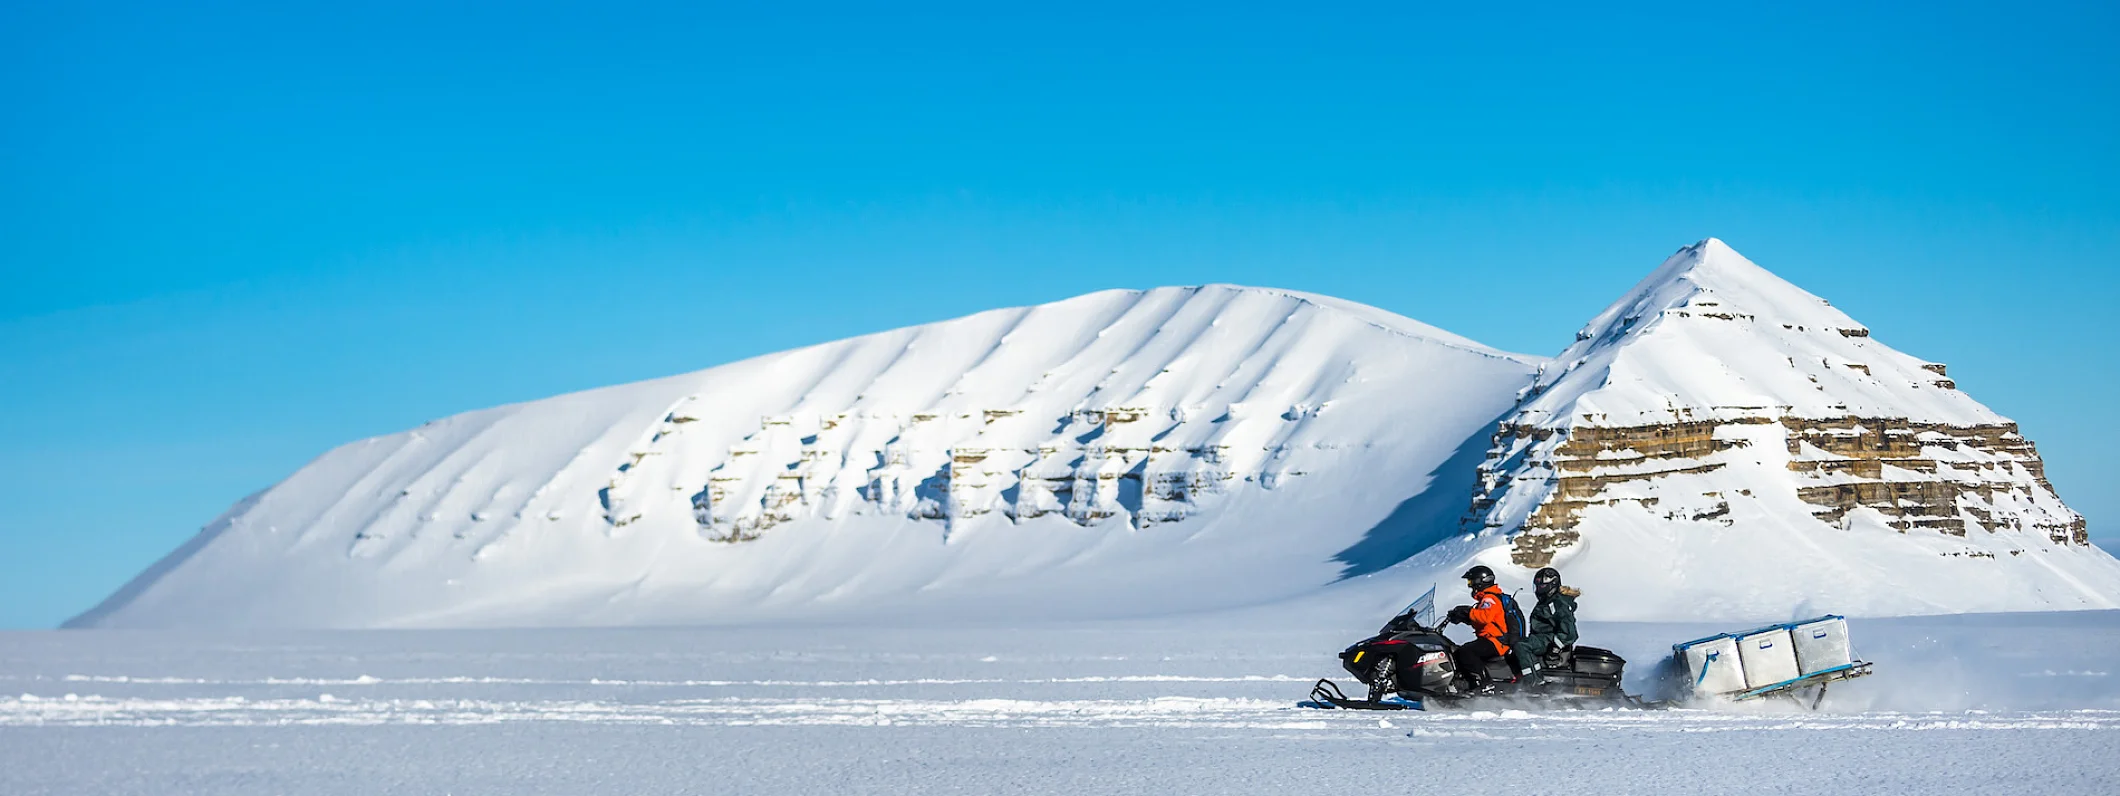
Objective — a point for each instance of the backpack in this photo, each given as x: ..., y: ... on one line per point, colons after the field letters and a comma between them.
x: 1515, y: 633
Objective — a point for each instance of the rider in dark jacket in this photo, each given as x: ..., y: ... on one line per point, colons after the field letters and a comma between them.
x: 1551, y: 626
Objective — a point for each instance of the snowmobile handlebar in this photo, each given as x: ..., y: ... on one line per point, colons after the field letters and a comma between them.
x: 1406, y: 622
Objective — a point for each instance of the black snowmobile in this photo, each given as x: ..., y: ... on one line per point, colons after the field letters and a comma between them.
x: 1410, y: 663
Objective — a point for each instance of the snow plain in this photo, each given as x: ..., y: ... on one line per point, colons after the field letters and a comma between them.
x: 1207, y: 704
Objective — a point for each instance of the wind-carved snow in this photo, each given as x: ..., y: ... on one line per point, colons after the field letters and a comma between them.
x: 1135, y: 406
x: 1719, y: 437
x: 1116, y: 453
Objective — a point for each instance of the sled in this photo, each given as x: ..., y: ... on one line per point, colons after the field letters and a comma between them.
x: 1780, y: 660
x: 1821, y: 679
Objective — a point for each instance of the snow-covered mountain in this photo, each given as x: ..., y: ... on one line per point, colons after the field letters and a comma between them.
x: 1119, y: 453
x: 1721, y: 440
x: 1718, y: 444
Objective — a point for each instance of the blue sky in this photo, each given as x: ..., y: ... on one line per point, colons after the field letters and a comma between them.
x: 236, y: 235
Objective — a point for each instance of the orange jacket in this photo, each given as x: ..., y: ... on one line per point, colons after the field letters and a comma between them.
x: 1489, y: 621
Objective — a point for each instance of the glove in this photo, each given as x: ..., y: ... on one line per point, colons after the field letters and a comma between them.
x: 1461, y: 614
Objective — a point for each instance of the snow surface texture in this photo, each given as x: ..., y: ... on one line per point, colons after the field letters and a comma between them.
x: 1132, y: 453
x: 2025, y: 703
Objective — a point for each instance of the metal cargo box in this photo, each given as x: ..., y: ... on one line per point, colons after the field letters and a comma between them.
x: 1822, y: 644
x: 1712, y: 664
x: 1769, y: 656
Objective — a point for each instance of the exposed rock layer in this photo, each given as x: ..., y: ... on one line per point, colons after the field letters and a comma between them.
x: 1922, y: 476
x: 1716, y: 391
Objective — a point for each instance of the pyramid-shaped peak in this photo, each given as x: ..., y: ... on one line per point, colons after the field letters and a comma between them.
x: 1717, y: 250
x: 1710, y: 255
x: 1717, y: 411
x: 1711, y: 265
x: 1708, y: 277
x: 1712, y: 330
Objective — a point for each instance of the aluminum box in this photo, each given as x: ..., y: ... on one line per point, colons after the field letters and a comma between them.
x: 1769, y: 656
x: 1822, y: 644
x: 1712, y: 664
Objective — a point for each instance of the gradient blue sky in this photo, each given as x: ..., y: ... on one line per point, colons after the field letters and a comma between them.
x: 236, y: 235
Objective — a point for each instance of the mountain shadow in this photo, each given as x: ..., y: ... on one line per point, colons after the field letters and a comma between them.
x: 1428, y: 517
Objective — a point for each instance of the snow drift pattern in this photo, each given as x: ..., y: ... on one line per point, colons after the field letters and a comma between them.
x: 1135, y: 406
x: 1718, y: 444
x: 1123, y: 452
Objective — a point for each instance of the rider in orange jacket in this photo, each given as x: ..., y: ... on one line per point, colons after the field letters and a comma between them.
x: 1490, y: 625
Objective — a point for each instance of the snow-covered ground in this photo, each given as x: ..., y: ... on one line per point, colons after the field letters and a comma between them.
x: 2008, y: 703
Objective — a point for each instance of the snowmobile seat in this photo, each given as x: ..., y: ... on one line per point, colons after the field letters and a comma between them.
x: 1500, y: 670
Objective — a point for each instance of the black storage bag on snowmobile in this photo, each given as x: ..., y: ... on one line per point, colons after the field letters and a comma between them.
x: 1591, y: 660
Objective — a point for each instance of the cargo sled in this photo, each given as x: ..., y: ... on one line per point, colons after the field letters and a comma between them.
x: 1785, y: 660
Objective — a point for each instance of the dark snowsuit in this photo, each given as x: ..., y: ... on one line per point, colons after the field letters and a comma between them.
x: 1550, y: 624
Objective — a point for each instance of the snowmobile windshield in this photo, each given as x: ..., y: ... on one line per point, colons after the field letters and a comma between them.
x: 1417, y: 614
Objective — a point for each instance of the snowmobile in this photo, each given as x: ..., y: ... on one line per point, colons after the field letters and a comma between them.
x: 1410, y: 664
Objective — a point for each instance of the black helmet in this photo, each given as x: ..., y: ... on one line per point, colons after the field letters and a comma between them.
x: 1479, y: 578
x: 1546, y: 580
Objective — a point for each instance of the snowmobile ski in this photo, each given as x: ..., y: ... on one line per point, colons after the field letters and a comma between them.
x: 1327, y: 694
